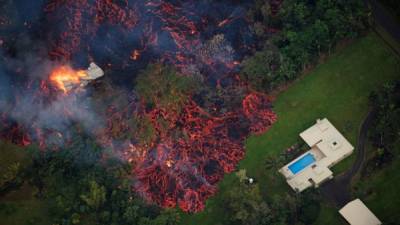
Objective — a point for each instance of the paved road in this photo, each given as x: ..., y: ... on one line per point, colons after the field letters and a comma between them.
x: 338, y: 189
x: 381, y: 17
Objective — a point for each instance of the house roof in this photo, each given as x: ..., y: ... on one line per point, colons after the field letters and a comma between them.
x: 328, y: 147
x: 328, y: 140
x: 357, y: 213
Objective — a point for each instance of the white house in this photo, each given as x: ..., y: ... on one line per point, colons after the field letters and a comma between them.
x: 328, y: 147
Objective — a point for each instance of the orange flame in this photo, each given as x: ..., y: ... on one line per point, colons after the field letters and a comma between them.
x: 135, y: 55
x: 64, y: 75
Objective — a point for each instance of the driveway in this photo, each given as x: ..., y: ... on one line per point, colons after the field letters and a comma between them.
x: 338, y: 190
x: 384, y: 19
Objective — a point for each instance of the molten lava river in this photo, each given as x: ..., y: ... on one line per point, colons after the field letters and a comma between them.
x: 186, y: 151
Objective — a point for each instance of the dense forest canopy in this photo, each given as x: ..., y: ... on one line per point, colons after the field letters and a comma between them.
x: 297, y: 35
x: 386, y: 128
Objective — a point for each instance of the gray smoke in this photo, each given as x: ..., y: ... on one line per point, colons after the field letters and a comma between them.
x: 23, y: 101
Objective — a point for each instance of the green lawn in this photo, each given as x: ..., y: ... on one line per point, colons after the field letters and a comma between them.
x: 329, y: 216
x: 383, y: 190
x: 19, y: 206
x: 338, y: 90
x: 11, y: 153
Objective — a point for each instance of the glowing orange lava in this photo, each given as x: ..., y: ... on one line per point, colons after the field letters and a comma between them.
x: 63, y: 77
x: 135, y: 55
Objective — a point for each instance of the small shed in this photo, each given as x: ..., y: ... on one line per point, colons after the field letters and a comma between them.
x: 356, y: 213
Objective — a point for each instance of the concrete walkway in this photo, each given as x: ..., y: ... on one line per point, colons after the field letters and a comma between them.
x: 338, y: 190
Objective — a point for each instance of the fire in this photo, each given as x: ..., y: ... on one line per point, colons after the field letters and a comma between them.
x: 223, y: 22
x: 189, y: 151
x: 64, y: 76
x: 169, y: 163
x: 135, y: 55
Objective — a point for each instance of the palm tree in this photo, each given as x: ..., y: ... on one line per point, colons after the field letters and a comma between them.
x: 272, y: 163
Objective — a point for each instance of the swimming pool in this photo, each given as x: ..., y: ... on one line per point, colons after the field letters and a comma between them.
x: 302, y: 163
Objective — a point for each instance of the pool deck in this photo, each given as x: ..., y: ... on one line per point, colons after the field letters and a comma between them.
x: 328, y: 146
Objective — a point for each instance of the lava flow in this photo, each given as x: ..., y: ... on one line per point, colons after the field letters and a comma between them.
x: 186, y: 151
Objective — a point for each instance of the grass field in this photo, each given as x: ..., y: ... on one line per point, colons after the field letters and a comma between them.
x: 383, y: 190
x: 338, y: 90
x: 19, y: 206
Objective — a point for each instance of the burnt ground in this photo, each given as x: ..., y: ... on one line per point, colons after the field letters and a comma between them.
x: 338, y: 190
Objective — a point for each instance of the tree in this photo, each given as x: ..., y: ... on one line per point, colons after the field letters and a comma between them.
x: 241, y: 174
x: 246, y: 206
x: 287, y: 71
x: 298, y: 48
x: 273, y: 163
x: 308, y: 204
x: 320, y: 36
x: 260, y: 70
x: 96, y: 195
x: 131, y: 214
x: 301, y: 31
x: 75, y: 218
x: 385, y: 130
x: 164, y: 86
x: 294, y: 14
x: 10, y: 174
x: 167, y: 217
x: 14, y: 164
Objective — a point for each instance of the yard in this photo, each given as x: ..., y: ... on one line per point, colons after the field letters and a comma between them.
x: 380, y: 191
x: 19, y: 206
x: 338, y: 90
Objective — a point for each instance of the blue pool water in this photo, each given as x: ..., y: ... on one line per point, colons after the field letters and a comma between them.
x: 302, y: 163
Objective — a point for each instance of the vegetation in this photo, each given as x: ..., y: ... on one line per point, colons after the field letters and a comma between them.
x: 164, y: 86
x: 81, y: 188
x: 11, y: 166
x: 379, y: 183
x: 306, y: 31
x: 338, y: 90
x: 380, y: 190
x: 79, y: 185
x: 384, y: 133
x: 91, y: 192
x: 18, y: 204
x: 386, y: 127
x: 262, y: 69
x: 245, y: 205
